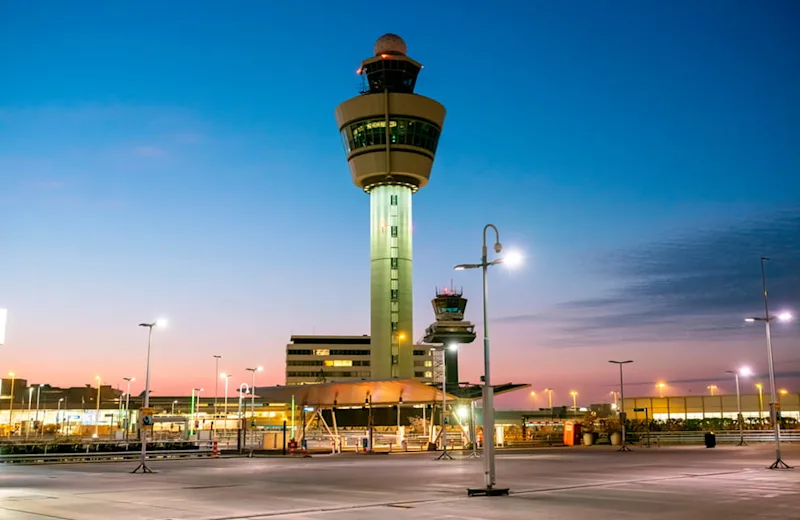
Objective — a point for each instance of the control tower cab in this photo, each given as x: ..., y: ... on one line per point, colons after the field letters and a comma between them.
x: 450, y: 328
x: 390, y: 135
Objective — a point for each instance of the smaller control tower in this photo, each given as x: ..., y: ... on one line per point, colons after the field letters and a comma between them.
x: 450, y: 328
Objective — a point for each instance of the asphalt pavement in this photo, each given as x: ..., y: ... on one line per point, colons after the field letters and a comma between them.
x: 560, y: 483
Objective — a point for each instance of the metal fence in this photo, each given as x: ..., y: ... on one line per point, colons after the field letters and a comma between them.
x: 726, y: 437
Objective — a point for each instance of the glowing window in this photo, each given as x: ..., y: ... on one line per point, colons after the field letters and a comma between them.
x: 338, y: 362
x: 429, y: 363
x: 429, y: 374
x: 322, y: 352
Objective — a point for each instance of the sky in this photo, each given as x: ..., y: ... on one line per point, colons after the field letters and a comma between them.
x: 181, y: 160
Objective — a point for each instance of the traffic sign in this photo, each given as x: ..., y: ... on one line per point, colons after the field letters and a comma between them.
x: 146, y: 417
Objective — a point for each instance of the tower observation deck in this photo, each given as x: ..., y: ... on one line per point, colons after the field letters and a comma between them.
x: 390, y: 135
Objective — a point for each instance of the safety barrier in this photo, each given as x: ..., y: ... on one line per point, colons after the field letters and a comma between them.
x: 723, y: 437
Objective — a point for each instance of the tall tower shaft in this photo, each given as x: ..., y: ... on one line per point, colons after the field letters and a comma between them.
x: 390, y: 135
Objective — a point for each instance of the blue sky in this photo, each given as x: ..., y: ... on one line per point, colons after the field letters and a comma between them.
x: 183, y: 160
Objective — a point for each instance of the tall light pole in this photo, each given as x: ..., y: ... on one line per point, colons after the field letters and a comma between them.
x: 216, y: 383
x: 744, y: 372
x: 488, y: 391
x: 58, y: 415
x: 574, y: 395
x: 661, y: 387
x: 28, y: 421
x: 36, y: 418
x: 712, y: 389
x: 193, y: 410
x: 128, y: 404
x: 97, y: 409
x: 226, y: 377
x: 773, y: 409
x: 760, y: 389
x: 621, y: 407
x: 143, y: 430
x: 11, y: 404
x: 253, y: 395
x: 550, y: 400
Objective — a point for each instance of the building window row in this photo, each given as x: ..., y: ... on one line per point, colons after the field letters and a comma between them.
x: 328, y: 374
x: 327, y: 352
x: 420, y: 353
x: 327, y: 363
x: 371, y: 132
x: 421, y: 363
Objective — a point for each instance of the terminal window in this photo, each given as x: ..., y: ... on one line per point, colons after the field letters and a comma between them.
x: 393, y: 200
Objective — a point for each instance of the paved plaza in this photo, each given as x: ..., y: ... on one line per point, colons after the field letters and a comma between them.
x: 560, y: 483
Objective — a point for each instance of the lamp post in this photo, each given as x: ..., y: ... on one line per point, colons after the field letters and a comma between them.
x: 226, y: 377
x: 36, y: 417
x: 128, y: 405
x: 172, y: 412
x: 744, y: 372
x: 488, y: 391
x: 661, y: 387
x: 193, y: 410
x: 58, y: 416
x: 712, y: 389
x: 97, y: 409
x: 11, y: 404
x: 253, y: 395
x: 29, y: 421
x: 574, y: 395
x: 550, y: 400
x: 216, y: 382
x: 773, y: 409
x: 621, y: 407
x: 760, y: 389
x: 143, y: 430
x: 243, y: 390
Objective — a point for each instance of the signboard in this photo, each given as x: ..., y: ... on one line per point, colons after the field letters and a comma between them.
x: 640, y: 409
x: 146, y: 417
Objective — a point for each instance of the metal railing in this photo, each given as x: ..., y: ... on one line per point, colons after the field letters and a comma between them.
x: 92, y: 452
x: 722, y: 437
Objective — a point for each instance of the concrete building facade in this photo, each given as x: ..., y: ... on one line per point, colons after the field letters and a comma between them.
x: 329, y: 359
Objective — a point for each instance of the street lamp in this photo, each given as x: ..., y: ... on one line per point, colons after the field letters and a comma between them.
x: 574, y: 395
x: 97, y: 409
x: 773, y: 410
x: 744, y: 372
x: 193, y: 410
x: 28, y: 422
x: 550, y: 400
x: 226, y: 377
x: 58, y: 416
x: 216, y: 382
x: 172, y: 412
x: 143, y: 430
x: 712, y: 389
x: 488, y: 392
x: 661, y: 387
x: 11, y: 403
x: 760, y: 389
x: 128, y: 405
x: 253, y: 398
x: 621, y: 407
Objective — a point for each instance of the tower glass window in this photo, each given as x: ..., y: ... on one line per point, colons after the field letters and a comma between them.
x: 407, y: 131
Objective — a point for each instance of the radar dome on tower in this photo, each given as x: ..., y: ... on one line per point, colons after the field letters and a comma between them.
x: 390, y: 44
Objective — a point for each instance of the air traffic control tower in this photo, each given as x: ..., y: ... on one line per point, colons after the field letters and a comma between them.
x: 390, y: 136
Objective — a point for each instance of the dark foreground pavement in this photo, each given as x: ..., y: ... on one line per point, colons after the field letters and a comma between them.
x: 598, y: 483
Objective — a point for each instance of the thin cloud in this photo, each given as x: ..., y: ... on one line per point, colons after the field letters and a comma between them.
x: 698, y: 286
